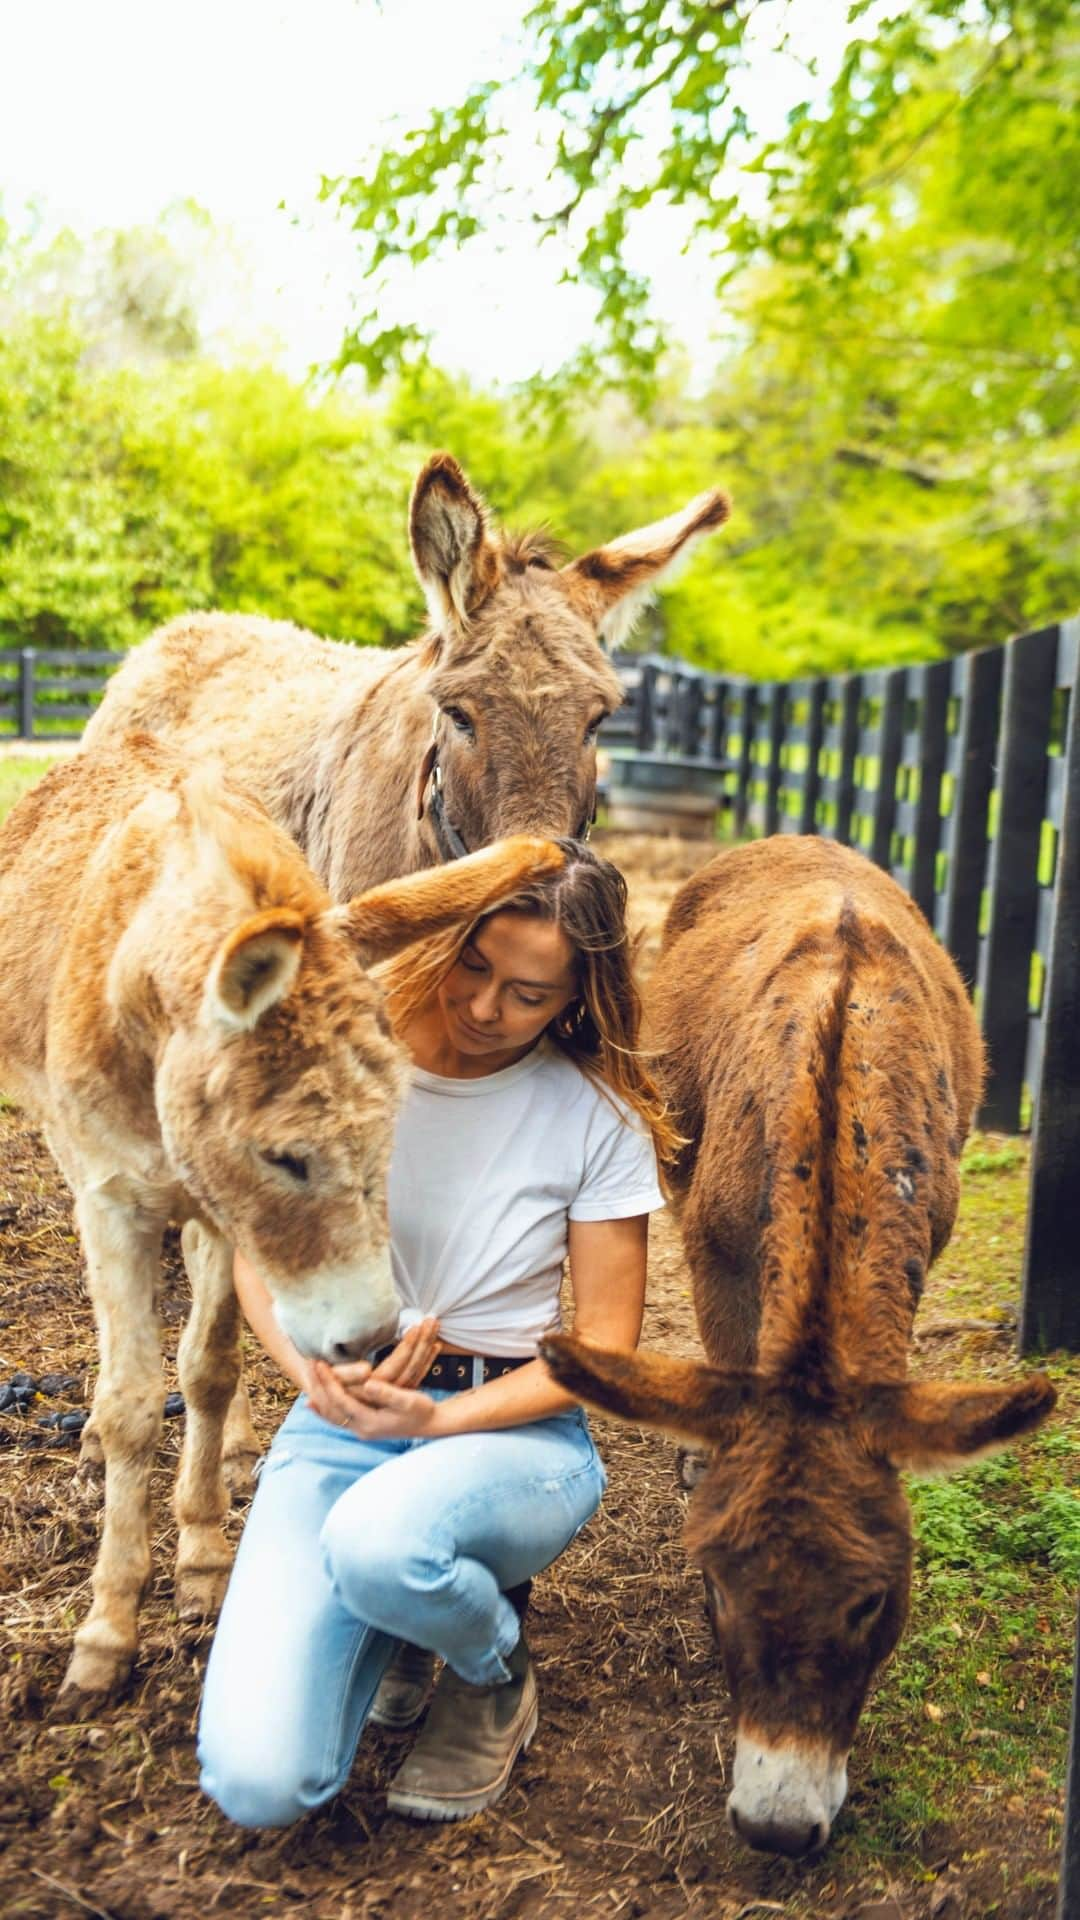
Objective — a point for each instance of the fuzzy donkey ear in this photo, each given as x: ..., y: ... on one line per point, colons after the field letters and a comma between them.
x: 393, y: 915
x: 457, y: 561
x: 615, y: 582
x: 681, y: 1397
x: 934, y: 1425
x: 255, y: 967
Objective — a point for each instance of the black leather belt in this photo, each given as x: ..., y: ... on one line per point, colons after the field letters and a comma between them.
x: 455, y: 1372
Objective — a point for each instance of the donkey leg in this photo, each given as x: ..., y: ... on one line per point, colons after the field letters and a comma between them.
x: 242, y: 1447
x: 209, y: 1366
x: 90, y: 1473
x: 89, y: 1481
x: 123, y: 1252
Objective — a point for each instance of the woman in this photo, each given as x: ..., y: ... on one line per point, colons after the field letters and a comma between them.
x: 412, y: 1499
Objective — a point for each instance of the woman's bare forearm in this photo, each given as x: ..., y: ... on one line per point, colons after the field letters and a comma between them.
x: 258, y: 1310
x: 529, y: 1393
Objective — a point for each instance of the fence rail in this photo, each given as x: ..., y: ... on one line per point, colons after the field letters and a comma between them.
x: 49, y: 693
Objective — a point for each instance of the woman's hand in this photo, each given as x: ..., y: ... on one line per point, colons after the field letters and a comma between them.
x: 380, y: 1403
x: 404, y: 1366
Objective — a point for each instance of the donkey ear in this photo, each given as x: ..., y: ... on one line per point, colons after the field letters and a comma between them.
x: 617, y: 581
x: 935, y: 1425
x: 681, y: 1397
x: 255, y: 967
x: 392, y: 916
x: 456, y: 559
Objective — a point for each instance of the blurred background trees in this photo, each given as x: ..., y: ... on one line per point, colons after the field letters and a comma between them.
x: 893, y: 403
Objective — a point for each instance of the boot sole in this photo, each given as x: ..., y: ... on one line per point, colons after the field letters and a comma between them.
x: 422, y: 1806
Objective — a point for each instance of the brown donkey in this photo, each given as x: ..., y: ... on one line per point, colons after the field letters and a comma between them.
x: 379, y: 763
x: 824, y: 1064
x: 188, y: 1016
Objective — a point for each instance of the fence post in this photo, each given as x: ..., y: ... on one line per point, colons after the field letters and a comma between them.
x: 718, y: 717
x: 850, y: 701
x: 1069, y: 1896
x: 933, y: 686
x: 646, y: 732
x: 1050, y: 1308
x: 690, y: 707
x: 748, y: 719
x: 777, y: 703
x: 1005, y: 962
x: 26, y: 693
x: 811, y: 780
x: 890, y: 736
x: 966, y: 828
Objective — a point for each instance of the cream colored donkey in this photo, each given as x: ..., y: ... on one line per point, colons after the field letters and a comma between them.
x: 187, y: 1015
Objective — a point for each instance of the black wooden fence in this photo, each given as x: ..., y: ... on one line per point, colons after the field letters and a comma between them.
x: 962, y: 778
x: 49, y: 693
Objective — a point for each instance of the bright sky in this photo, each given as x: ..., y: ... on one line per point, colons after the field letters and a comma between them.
x: 112, y: 109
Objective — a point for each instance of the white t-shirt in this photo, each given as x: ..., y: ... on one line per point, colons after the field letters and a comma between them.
x: 485, y: 1175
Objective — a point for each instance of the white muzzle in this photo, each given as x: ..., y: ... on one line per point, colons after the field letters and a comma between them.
x: 785, y: 1795
x: 340, y: 1313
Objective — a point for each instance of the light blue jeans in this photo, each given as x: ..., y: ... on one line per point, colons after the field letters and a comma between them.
x: 352, y: 1545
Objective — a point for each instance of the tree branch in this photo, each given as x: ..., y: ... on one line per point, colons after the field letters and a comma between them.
x: 886, y: 176
x: 603, y: 121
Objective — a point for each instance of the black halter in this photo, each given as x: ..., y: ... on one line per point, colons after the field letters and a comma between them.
x: 448, y: 839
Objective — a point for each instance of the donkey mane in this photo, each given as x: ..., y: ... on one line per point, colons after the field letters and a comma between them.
x: 839, y: 1228
x: 532, y: 547
x: 798, y: 1190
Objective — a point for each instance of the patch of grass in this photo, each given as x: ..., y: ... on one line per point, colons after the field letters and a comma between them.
x: 1001, y: 1159
x: 972, y: 1712
x: 17, y: 775
x: 979, y: 1272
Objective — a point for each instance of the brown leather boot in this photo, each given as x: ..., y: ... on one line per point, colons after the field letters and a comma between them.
x: 402, y: 1693
x: 463, y: 1757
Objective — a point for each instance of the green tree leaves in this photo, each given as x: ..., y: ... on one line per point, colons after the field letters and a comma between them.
x: 127, y: 496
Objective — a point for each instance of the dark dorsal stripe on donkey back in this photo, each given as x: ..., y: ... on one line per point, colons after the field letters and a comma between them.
x: 797, y: 1200
x: 848, y: 1236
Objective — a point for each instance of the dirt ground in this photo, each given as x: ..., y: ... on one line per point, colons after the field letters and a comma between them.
x: 617, y: 1810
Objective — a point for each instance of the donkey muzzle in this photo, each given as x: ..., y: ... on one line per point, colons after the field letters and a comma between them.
x: 785, y: 1795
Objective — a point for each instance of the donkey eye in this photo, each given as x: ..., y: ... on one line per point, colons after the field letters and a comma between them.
x: 290, y: 1163
x: 593, y: 728
x: 865, y: 1610
x: 459, y: 719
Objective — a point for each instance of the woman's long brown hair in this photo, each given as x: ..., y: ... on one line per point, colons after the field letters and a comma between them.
x: 599, y: 1031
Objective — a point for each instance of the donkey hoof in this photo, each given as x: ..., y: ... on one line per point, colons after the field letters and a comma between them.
x: 200, y: 1592
x: 90, y: 1472
x: 88, y: 1481
x: 690, y: 1467
x: 239, y: 1474
x: 93, y: 1673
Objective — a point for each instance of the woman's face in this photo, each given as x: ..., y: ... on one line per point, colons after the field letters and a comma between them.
x: 515, y: 974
